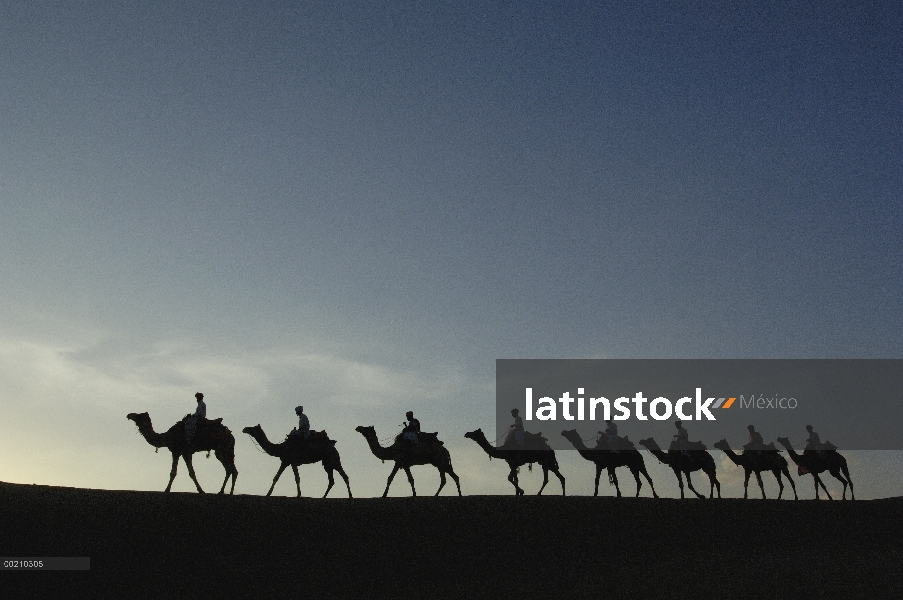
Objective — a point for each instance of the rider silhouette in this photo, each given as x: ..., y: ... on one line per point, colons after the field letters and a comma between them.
x: 191, y: 423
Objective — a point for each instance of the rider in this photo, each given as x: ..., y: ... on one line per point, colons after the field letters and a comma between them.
x: 191, y: 423
x: 303, y: 423
x: 611, y: 435
x: 814, y: 442
x: 412, y: 428
x: 518, y: 427
x: 755, y: 440
x: 683, y: 438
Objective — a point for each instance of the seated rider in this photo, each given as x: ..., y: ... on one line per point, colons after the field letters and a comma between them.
x: 303, y: 423
x: 411, y: 429
x: 755, y: 440
x: 683, y: 438
x: 611, y: 435
x: 814, y: 443
x: 191, y: 423
x: 518, y: 427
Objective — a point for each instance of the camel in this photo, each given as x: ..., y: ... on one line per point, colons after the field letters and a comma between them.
x: 811, y: 462
x: 606, y: 459
x: 213, y: 436
x: 683, y: 464
x: 768, y: 460
x: 518, y: 458
x: 292, y: 453
x: 405, y: 456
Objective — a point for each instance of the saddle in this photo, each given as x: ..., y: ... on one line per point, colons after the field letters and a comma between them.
x: 532, y: 441
x: 424, y: 438
x: 204, y: 422
x: 769, y: 447
x: 623, y: 443
x: 691, y: 446
x: 317, y: 438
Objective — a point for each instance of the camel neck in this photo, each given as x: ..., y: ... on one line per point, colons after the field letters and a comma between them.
x: 379, y: 451
x: 490, y: 450
x: 265, y: 443
x: 157, y: 440
x: 736, y: 458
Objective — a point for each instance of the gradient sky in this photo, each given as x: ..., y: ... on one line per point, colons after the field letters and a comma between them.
x: 359, y: 206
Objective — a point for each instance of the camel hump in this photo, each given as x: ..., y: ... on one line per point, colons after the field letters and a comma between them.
x: 535, y: 441
x: 769, y: 447
x: 623, y: 443
x: 425, y: 437
x: 829, y: 446
x: 691, y: 446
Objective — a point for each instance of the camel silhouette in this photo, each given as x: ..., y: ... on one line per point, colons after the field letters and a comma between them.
x: 518, y: 458
x: 294, y: 452
x: 811, y: 462
x: 604, y: 458
x: 683, y: 464
x: 212, y: 435
x: 406, y: 455
x: 752, y: 462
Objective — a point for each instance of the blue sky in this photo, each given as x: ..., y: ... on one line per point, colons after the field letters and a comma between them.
x: 359, y: 206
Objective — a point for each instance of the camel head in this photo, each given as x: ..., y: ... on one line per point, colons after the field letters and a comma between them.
x: 366, y: 430
x: 722, y: 445
x: 570, y: 434
x: 140, y: 419
x: 255, y: 429
x: 475, y: 435
x: 783, y: 441
x: 648, y: 443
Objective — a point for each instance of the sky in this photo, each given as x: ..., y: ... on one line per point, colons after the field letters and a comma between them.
x: 360, y: 206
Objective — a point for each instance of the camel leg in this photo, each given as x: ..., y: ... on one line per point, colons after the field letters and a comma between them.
x: 297, y: 479
x: 649, y: 479
x: 777, y: 475
x: 172, y: 472
x: 407, y: 471
x: 391, y: 477
x: 454, y: 476
x: 512, y: 477
x: 278, y: 475
x: 545, y: 480
x: 561, y: 479
x: 441, y: 480
x: 598, y: 474
x: 690, y: 485
x: 761, y: 487
x: 228, y: 463
x: 330, y: 477
x: 680, y: 482
x: 746, y: 484
x: 614, y: 479
x: 335, y: 464
x: 345, y: 477
x: 837, y: 475
x: 792, y: 485
x: 846, y: 472
x: 639, y: 484
x: 818, y: 482
x: 187, y: 458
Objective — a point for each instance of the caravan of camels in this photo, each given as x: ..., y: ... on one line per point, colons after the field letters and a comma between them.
x: 410, y: 447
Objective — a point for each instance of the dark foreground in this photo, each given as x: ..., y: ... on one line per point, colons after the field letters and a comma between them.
x: 155, y: 545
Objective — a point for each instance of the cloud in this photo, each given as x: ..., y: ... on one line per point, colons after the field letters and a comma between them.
x: 103, y: 372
